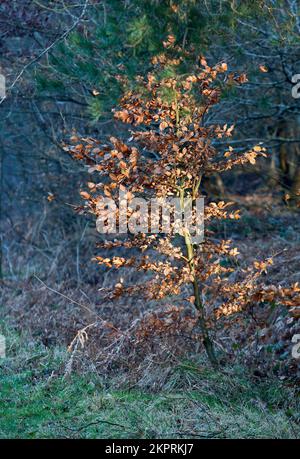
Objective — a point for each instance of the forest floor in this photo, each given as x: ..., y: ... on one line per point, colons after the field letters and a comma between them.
x: 38, y: 401
x: 153, y: 393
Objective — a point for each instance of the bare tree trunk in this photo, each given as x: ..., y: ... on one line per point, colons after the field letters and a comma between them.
x: 207, y: 341
x: 295, y: 189
x: 289, y: 160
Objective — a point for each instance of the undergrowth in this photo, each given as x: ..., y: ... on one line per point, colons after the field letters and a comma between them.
x: 37, y: 401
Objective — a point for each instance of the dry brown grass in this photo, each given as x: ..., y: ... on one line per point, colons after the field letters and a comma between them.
x: 263, y: 341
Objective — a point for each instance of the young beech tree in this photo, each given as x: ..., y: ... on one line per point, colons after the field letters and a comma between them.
x: 169, y: 152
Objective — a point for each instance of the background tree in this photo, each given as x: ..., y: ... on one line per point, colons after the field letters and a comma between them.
x: 261, y: 38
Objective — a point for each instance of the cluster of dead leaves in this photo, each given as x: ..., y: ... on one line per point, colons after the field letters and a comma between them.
x: 170, y: 150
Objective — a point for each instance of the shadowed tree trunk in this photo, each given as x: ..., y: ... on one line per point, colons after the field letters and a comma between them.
x: 289, y: 158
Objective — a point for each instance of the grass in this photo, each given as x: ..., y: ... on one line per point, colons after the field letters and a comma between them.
x: 37, y: 402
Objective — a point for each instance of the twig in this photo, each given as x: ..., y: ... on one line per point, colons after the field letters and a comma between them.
x: 98, y: 421
x: 79, y: 304
x: 54, y: 43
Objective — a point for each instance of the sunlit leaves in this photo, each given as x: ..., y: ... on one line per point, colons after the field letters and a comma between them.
x: 169, y: 151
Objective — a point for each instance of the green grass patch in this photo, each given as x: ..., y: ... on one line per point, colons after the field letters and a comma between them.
x: 36, y: 401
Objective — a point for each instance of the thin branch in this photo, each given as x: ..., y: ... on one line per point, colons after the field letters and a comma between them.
x: 87, y: 308
x: 45, y: 51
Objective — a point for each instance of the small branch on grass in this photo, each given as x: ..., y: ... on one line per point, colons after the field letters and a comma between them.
x: 87, y: 308
x: 199, y: 435
x: 98, y: 421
